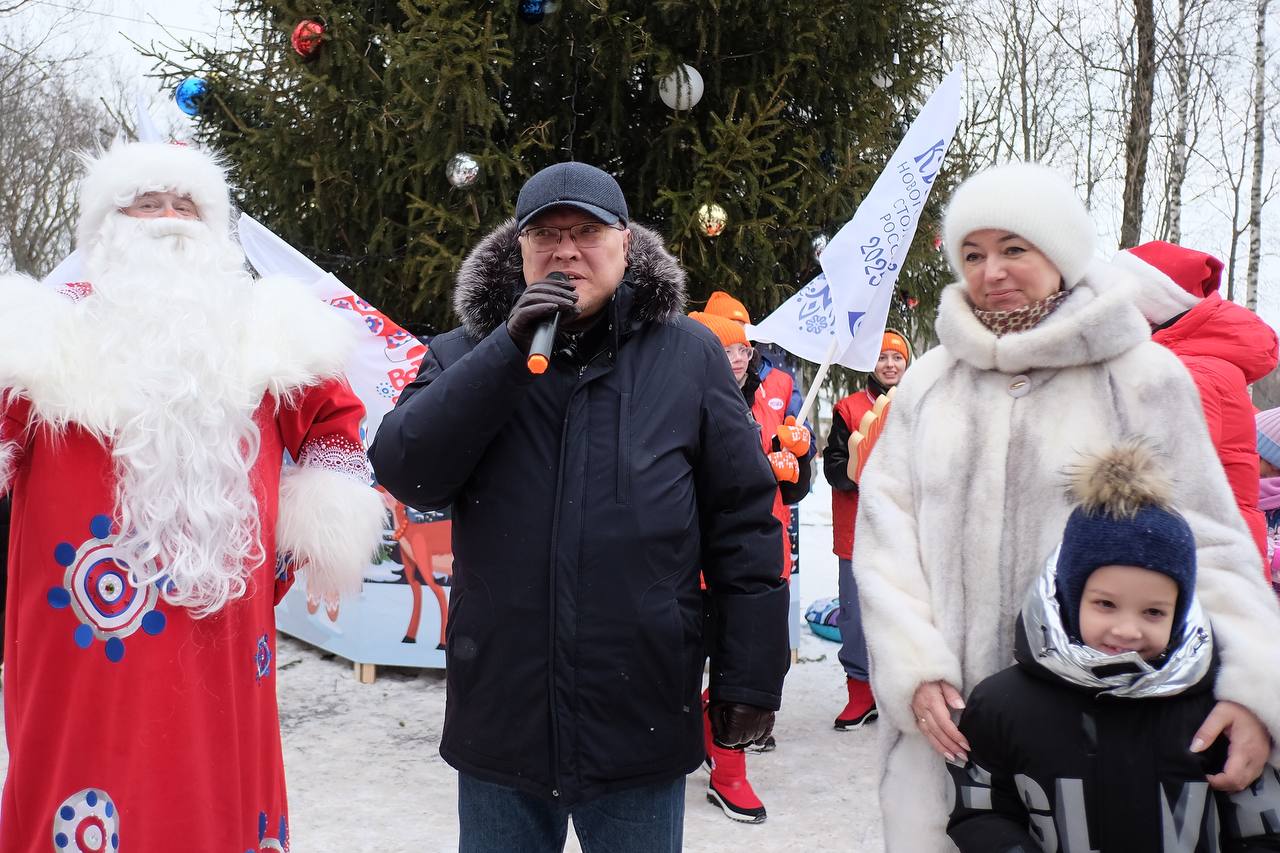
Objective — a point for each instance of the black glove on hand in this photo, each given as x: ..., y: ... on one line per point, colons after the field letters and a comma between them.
x: 734, y: 726
x: 539, y: 302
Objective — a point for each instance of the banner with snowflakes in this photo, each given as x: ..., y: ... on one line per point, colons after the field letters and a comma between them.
x: 848, y: 303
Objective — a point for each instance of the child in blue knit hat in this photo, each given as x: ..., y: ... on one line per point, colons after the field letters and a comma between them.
x: 1085, y: 743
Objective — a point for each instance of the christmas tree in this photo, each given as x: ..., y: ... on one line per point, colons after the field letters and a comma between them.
x: 355, y: 129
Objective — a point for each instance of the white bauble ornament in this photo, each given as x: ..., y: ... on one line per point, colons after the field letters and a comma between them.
x: 681, y: 89
x: 712, y: 219
x: 462, y: 170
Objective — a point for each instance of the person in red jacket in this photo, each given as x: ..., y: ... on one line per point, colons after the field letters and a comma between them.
x: 1224, y: 346
x: 846, y: 416
x: 787, y: 448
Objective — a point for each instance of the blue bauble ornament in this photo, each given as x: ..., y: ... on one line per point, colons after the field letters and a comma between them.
x: 532, y: 11
x: 188, y: 94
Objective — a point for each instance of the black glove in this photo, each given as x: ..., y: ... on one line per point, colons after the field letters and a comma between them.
x: 539, y: 302
x: 734, y: 725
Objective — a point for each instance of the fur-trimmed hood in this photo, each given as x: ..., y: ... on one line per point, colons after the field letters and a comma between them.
x: 492, y: 278
x: 1096, y: 323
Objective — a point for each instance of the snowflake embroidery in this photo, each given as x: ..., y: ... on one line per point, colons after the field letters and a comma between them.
x: 385, y: 390
x: 815, y: 324
x: 336, y: 453
x: 98, y: 588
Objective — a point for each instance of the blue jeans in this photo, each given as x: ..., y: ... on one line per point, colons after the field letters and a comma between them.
x: 497, y: 819
x: 853, y: 643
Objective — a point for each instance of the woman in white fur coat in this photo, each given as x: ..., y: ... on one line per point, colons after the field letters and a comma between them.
x: 1043, y: 357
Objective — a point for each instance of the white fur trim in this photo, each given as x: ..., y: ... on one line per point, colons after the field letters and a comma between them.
x: 331, y: 524
x: 1032, y: 201
x: 1157, y: 296
x: 128, y: 169
x: 963, y: 500
x: 291, y: 340
x: 8, y: 453
x: 294, y: 339
x: 1095, y: 323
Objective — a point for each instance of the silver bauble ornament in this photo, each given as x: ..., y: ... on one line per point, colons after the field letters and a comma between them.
x: 819, y: 245
x: 712, y: 219
x: 682, y: 88
x: 462, y: 170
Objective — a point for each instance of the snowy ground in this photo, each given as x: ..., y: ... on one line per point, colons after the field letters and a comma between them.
x: 365, y: 775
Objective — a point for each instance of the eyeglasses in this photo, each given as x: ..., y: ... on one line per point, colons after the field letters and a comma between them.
x: 585, y: 235
x: 739, y: 351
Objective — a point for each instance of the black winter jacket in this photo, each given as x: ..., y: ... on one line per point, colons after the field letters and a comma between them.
x: 585, y: 503
x: 1057, y: 766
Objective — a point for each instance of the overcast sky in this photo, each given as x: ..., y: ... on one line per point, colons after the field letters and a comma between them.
x: 106, y: 27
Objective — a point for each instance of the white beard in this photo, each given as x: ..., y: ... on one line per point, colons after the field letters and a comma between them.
x: 167, y: 314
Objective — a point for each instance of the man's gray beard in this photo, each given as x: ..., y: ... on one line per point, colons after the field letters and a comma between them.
x: 167, y: 313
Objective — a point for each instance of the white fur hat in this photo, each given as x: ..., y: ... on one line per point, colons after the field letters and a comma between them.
x: 129, y: 169
x: 1032, y: 201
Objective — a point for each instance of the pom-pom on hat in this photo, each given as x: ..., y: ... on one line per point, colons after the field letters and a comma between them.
x: 723, y: 305
x: 1269, y: 435
x: 1030, y: 200
x: 129, y: 169
x: 1123, y: 518
x: 729, y: 332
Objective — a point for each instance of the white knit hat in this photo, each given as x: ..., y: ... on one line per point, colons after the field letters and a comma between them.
x: 1032, y: 201
x: 130, y: 169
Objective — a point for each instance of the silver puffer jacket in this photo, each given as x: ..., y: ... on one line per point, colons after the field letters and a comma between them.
x: 1127, y: 675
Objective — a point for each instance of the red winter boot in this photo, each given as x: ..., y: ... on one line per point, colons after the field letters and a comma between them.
x: 861, y: 708
x: 729, y: 788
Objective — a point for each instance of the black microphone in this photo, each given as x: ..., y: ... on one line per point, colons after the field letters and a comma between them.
x: 545, y: 335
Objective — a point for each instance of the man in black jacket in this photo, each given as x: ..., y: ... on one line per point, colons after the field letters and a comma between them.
x: 586, y: 502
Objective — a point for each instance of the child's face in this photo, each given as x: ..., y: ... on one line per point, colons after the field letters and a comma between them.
x: 1266, y: 469
x: 1127, y: 609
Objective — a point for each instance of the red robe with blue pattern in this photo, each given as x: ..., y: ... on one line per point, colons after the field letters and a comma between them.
x: 132, y: 725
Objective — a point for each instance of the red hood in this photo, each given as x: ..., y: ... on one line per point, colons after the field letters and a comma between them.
x: 1220, y: 329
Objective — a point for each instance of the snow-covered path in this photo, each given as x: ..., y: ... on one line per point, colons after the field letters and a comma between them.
x: 364, y: 773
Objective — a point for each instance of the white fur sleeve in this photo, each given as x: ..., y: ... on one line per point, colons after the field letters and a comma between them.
x: 1230, y: 583
x: 331, y: 523
x: 905, y: 645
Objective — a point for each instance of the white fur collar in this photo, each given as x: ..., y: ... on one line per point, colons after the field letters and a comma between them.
x: 1097, y: 322
x: 293, y: 340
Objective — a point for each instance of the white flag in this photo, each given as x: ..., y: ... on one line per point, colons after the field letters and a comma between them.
x: 849, y: 301
x: 387, y: 357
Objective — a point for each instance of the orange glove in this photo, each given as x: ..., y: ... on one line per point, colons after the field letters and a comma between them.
x: 793, y: 438
x: 786, y: 468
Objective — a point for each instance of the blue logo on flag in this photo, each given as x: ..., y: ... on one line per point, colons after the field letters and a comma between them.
x: 855, y: 320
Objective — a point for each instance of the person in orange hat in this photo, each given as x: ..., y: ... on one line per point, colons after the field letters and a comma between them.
x: 846, y: 416
x: 777, y: 398
x: 787, y: 448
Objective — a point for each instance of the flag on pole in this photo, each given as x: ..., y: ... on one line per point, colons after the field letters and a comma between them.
x: 387, y: 357
x: 848, y: 303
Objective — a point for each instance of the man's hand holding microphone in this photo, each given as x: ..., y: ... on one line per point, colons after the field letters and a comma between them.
x: 535, y: 317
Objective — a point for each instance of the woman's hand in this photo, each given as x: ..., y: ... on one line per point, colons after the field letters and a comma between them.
x: 1248, y: 745
x: 931, y: 706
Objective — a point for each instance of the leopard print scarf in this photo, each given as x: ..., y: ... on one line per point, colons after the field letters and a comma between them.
x: 1020, y: 319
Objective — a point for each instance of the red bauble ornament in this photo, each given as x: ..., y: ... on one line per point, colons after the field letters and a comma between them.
x: 306, y: 38
x: 912, y: 302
